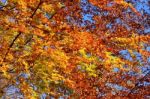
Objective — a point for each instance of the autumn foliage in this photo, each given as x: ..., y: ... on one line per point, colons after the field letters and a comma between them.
x: 46, y: 47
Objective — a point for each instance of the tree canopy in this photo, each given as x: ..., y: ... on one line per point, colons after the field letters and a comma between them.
x: 78, y: 49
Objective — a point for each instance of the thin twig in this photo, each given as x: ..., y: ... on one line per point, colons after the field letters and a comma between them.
x: 16, y: 37
x: 12, y: 43
x: 136, y: 85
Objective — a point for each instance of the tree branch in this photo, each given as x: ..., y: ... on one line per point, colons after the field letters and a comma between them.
x: 12, y: 43
x: 36, y: 9
x: 136, y: 85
